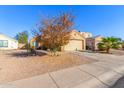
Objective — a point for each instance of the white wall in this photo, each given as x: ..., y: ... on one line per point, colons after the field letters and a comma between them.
x: 12, y: 44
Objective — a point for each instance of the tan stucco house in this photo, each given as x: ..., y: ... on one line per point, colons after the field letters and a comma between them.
x: 92, y: 43
x: 76, y: 42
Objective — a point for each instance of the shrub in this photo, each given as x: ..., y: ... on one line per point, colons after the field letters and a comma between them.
x: 101, y: 47
x: 108, y: 43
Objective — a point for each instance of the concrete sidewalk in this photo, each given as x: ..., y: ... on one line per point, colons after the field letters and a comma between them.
x: 103, y: 73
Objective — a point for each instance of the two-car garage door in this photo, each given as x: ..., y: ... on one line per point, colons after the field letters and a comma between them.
x: 74, y: 45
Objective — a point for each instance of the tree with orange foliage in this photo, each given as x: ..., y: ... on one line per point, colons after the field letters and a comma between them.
x: 55, y: 31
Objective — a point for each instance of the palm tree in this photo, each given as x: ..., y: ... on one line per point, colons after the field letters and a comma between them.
x: 108, y: 43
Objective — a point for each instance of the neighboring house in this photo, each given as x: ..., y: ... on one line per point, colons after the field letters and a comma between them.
x: 35, y: 44
x: 92, y: 43
x: 86, y: 34
x: 7, y: 43
x: 76, y: 42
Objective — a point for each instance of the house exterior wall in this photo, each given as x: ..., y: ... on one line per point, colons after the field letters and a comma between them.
x: 11, y: 43
x: 35, y: 44
x: 75, y: 45
x: 97, y: 40
x: 90, y: 43
x: 76, y: 42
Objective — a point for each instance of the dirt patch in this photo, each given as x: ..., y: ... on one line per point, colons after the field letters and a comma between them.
x: 117, y: 52
x: 16, y: 67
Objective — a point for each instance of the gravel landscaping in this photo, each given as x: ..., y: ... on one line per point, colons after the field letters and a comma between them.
x: 15, y: 65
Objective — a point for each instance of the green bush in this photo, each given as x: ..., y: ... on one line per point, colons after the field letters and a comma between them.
x: 101, y: 47
x: 108, y: 43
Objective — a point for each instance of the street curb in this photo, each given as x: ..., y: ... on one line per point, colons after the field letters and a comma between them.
x: 101, y: 81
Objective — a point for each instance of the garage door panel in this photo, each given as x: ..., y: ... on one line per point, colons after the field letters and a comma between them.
x: 74, y: 45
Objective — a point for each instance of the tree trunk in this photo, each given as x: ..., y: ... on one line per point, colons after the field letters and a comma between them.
x: 123, y: 47
x: 108, y: 50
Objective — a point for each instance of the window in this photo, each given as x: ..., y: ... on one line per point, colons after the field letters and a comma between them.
x: 3, y: 43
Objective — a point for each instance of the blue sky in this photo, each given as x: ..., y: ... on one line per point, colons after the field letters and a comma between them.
x: 99, y: 20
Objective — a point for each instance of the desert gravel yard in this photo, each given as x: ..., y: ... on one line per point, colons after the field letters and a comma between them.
x: 14, y: 65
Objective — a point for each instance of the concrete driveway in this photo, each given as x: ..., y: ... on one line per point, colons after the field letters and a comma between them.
x: 100, y: 74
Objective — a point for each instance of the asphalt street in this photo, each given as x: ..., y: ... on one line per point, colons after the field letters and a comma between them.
x: 119, y: 83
